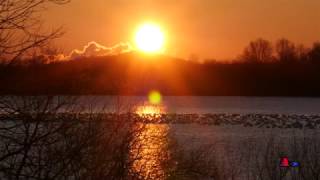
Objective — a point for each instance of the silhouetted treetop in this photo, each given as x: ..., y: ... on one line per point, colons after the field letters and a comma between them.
x: 285, y: 50
x: 259, y: 50
x: 315, y: 53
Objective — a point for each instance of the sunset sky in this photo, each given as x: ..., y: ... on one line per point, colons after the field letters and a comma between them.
x: 208, y: 28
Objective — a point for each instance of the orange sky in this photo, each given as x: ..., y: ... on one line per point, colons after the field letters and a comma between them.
x: 208, y: 28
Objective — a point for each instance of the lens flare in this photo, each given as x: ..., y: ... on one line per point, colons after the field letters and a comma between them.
x: 154, y: 97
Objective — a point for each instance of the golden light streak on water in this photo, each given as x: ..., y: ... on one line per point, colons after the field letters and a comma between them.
x: 150, y: 152
x: 151, y: 145
x: 150, y: 112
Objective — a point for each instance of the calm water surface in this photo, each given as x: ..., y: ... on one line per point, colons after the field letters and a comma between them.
x: 212, y: 104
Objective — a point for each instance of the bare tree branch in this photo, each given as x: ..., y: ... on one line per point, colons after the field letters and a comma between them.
x: 21, y: 27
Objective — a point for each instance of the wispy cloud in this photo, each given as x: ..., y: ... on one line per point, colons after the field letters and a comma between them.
x: 96, y: 49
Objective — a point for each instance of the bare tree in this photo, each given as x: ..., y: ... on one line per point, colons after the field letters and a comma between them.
x: 285, y: 50
x: 59, y: 138
x: 45, y: 54
x: 315, y: 52
x: 21, y: 27
x: 259, y: 50
x: 302, y: 53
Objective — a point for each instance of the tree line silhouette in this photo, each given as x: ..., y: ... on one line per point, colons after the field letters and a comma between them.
x: 284, y: 69
x: 283, y: 51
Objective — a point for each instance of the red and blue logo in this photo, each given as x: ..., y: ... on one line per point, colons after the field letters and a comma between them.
x: 284, y: 162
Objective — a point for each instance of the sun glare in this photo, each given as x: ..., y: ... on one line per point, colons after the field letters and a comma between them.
x: 149, y: 38
x: 150, y: 112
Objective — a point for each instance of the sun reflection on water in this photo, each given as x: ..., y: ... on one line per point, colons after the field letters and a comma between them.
x: 151, y: 145
x: 150, y: 152
x: 150, y: 111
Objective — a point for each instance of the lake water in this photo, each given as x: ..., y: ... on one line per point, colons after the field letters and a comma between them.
x: 152, y: 147
x: 216, y: 104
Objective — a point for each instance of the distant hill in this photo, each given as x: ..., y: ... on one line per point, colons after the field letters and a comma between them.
x: 136, y: 74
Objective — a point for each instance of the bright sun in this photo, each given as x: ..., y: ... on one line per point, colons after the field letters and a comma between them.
x: 149, y: 38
